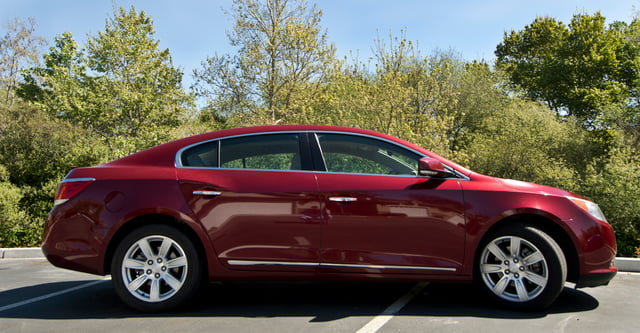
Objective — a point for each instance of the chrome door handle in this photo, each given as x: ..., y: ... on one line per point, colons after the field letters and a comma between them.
x: 343, y: 199
x: 207, y: 193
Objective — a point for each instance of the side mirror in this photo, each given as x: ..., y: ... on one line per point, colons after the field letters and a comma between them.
x: 430, y: 167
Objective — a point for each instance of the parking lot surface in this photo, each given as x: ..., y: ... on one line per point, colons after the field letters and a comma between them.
x: 35, y: 297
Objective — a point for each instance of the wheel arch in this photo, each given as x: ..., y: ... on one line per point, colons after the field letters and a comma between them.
x: 547, y: 225
x: 149, y: 219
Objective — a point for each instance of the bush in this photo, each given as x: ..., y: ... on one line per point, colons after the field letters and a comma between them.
x: 527, y: 142
x: 36, y: 152
x: 614, y: 184
x: 15, y: 226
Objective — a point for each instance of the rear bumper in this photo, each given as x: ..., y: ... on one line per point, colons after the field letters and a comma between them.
x: 598, y: 278
x: 73, y: 243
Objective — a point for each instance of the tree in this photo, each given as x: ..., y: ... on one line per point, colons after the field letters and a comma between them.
x: 136, y: 92
x: 60, y: 87
x: 18, y: 49
x: 281, y: 49
x: 575, y: 69
x: 406, y: 95
x: 414, y: 95
x: 626, y: 117
x: 122, y: 87
x: 480, y: 94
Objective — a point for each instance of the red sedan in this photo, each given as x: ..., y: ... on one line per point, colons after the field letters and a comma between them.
x: 319, y: 202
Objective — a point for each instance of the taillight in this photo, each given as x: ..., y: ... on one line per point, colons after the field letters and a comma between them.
x: 68, y: 188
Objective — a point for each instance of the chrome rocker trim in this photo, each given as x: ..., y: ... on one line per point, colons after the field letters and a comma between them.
x: 313, y: 264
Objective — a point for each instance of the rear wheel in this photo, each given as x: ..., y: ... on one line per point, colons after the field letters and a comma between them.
x: 521, y: 267
x: 156, y: 268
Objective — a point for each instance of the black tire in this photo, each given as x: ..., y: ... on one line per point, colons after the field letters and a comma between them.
x: 156, y: 268
x: 530, y: 277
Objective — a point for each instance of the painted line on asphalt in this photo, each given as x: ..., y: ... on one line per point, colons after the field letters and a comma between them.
x: 57, y: 293
x: 380, y: 320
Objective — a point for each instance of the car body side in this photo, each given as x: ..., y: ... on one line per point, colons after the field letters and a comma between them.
x: 147, y: 187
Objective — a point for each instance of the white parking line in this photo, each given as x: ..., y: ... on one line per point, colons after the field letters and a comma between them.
x: 380, y: 320
x: 57, y: 293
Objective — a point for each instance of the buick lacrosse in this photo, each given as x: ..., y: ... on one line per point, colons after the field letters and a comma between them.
x: 303, y: 202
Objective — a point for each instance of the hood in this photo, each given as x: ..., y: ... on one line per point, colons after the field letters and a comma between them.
x: 535, y: 188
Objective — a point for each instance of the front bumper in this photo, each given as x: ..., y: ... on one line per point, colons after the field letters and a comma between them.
x: 598, y: 278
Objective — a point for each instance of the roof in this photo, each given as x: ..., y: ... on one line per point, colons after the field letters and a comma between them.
x: 164, y: 154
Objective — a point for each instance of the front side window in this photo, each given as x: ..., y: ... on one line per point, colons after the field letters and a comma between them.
x: 356, y: 154
x: 268, y: 151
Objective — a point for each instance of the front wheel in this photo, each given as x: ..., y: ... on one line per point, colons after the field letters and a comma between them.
x: 521, y: 267
x: 156, y: 268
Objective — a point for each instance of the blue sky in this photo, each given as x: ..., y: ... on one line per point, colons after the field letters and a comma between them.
x: 193, y: 30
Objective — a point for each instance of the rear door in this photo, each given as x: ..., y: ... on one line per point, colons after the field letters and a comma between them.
x: 380, y: 216
x: 257, y: 200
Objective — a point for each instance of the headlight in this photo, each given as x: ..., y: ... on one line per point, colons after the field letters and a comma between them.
x: 590, y: 207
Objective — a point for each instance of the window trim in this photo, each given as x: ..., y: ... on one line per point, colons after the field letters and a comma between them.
x: 178, y: 159
x: 317, y: 149
x: 305, y: 154
x: 310, y: 151
x: 374, y: 143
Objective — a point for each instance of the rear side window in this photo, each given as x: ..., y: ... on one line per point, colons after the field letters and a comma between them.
x: 204, y: 155
x: 268, y: 152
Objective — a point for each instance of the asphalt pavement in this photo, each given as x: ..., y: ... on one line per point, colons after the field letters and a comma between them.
x: 35, y: 296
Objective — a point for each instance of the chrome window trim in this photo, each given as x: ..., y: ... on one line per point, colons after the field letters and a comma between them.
x: 461, y: 175
x: 314, y: 171
x: 313, y: 264
x: 178, y: 160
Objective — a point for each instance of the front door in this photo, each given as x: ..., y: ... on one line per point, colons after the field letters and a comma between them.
x: 380, y: 217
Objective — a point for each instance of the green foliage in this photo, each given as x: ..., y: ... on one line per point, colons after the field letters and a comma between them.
x: 527, y: 142
x: 14, y: 223
x: 122, y: 87
x: 120, y: 93
x: 480, y: 94
x: 615, y: 185
x: 89, y: 105
x: 35, y: 149
x: 575, y: 69
x: 137, y: 93
x: 36, y: 152
x: 281, y: 50
x: 59, y: 87
x: 591, y: 71
x: 408, y: 96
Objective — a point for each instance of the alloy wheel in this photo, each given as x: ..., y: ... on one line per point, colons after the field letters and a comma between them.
x: 154, y: 268
x: 514, y: 269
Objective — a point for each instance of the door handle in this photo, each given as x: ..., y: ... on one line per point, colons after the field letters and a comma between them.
x: 207, y: 193
x: 343, y: 199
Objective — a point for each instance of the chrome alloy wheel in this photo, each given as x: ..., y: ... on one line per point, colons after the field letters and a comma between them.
x: 514, y: 269
x: 154, y: 268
